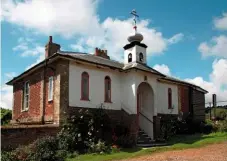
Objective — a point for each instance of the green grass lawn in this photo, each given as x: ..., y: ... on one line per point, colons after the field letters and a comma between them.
x: 177, y: 143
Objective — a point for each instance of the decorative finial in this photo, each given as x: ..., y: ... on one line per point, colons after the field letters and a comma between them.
x: 135, y: 16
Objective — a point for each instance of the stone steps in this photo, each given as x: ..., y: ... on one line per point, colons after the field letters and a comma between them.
x: 143, y: 140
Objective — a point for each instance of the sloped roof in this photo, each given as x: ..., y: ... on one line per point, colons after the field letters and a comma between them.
x: 168, y: 78
x: 92, y: 59
x: 111, y: 63
x: 105, y: 62
x: 143, y: 67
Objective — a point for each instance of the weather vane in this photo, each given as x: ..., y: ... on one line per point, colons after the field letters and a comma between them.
x: 135, y: 16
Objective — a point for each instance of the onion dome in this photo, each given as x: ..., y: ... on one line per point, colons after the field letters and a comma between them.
x: 135, y: 37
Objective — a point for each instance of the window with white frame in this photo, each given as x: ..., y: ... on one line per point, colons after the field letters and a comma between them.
x: 26, y: 96
x: 50, y: 89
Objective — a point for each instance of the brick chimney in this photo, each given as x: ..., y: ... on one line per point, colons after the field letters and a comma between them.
x: 101, y: 53
x: 51, y: 48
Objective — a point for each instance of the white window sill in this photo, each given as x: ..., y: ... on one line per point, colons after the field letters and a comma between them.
x: 50, y: 100
x: 25, y: 110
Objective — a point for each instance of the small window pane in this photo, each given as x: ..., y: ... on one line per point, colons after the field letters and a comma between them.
x: 26, y: 96
x: 130, y: 58
x: 85, y: 86
x: 50, y: 89
x: 107, y: 89
x: 169, y: 98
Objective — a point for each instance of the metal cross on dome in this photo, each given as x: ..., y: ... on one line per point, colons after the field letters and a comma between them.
x: 135, y: 16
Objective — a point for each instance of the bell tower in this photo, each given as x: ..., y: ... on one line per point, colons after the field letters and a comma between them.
x: 135, y: 51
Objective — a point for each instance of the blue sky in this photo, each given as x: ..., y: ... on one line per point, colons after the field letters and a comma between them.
x: 186, y: 39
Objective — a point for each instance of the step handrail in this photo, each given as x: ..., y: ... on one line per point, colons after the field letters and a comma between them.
x: 146, y: 117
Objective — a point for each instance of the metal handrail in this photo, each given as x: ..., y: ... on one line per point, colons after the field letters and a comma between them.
x: 146, y: 117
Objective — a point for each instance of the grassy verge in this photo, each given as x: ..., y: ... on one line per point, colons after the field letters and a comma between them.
x: 177, y: 143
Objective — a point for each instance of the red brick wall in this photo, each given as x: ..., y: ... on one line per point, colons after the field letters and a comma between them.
x: 184, y: 98
x: 34, y: 100
x: 34, y: 112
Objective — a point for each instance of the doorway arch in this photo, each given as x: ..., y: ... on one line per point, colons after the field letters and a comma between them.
x: 145, y: 108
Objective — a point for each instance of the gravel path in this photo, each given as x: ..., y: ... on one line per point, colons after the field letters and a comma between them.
x: 215, y: 152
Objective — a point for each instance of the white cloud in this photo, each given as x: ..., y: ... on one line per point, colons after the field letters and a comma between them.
x: 217, y: 83
x: 79, y: 17
x: 27, y: 47
x: 37, y: 50
x: 217, y: 80
x: 7, y: 91
x: 176, y: 38
x: 163, y: 69
x: 216, y: 47
x: 6, y: 96
x: 221, y: 22
x: 10, y: 75
x: 38, y: 60
x: 115, y: 37
x: 50, y: 17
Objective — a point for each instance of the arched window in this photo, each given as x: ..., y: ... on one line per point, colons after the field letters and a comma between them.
x: 107, y: 89
x: 129, y: 57
x: 84, y: 86
x: 141, y: 57
x: 169, y: 98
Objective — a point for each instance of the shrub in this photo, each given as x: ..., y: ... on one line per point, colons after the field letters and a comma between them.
x: 8, y: 156
x: 217, y: 126
x: 99, y: 147
x: 72, y: 155
x: 6, y: 116
x: 77, y: 132
x: 222, y: 126
x: 115, y: 149
x: 126, y: 141
x: 82, y: 129
x: 61, y: 154
x: 41, y: 150
x: 168, y: 127
x: 206, y: 128
x: 44, y: 149
x: 221, y: 115
x: 22, y: 152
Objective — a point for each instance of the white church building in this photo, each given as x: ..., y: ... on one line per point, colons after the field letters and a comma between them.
x: 131, y: 90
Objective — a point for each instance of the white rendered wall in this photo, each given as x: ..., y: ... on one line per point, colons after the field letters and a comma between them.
x: 96, y: 86
x: 126, y: 53
x: 139, y: 50
x: 163, y: 98
x: 135, y: 54
x: 123, y: 90
x: 128, y: 92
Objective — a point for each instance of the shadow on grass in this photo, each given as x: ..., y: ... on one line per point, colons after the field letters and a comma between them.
x: 192, y: 139
x: 189, y: 139
x: 131, y: 150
